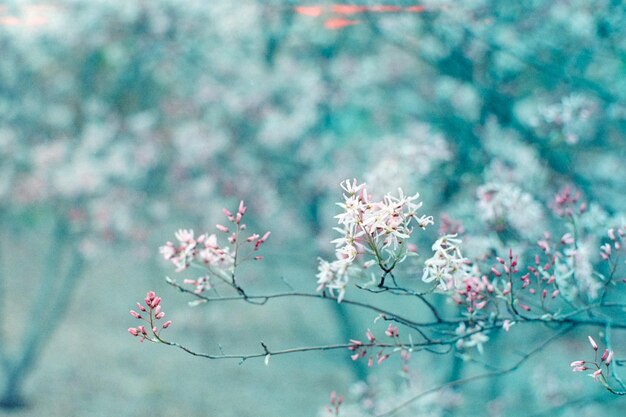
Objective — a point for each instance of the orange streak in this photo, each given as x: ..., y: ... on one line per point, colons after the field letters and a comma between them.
x: 339, y: 23
x: 385, y: 9
x: 313, y: 11
x: 347, y: 9
x: 415, y: 9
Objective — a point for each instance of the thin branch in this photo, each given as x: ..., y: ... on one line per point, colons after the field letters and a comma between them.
x: 262, y: 299
x: 485, y: 375
x: 267, y: 351
x: 396, y: 290
x: 607, y: 339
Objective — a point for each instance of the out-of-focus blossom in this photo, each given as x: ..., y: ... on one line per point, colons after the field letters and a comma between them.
x: 506, y: 205
x: 471, y: 337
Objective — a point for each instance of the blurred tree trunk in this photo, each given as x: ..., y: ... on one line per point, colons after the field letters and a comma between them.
x: 12, y: 394
x: 48, y: 308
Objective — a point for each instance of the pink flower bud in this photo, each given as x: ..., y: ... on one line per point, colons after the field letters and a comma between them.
x: 355, y: 356
x: 576, y: 364
x: 609, y: 358
x: 167, y: 324
x: 157, y: 310
x: 382, y: 358
x: 242, y: 208
x: 238, y: 218
x: 593, y: 343
x: 135, y: 314
x: 221, y: 228
x: 597, y: 374
x: 354, y: 344
x: 370, y: 336
x: 140, y: 307
x: 370, y: 362
x: 604, y: 355
x: 142, y: 329
x: 133, y: 331
x: 160, y: 316
x: 226, y: 212
x: 258, y: 258
x: 555, y: 293
x: 391, y: 331
x: 567, y: 239
x: 611, y: 233
x: 506, y: 325
x: 155, y: 302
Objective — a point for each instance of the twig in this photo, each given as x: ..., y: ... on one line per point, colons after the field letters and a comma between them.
x: 485, y: 375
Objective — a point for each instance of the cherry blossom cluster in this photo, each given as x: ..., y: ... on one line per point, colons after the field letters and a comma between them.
x: 540, y: 280
x: 615, y: 243
x: 567, y: 203
x: 378, y: 228
x: 567, y: 267
x: 462, y: 280
x: 449, y: 226
x: 362, y: 350
x: 508, y: 269
x: 151, y: 313
x: 601, y: 371
x: 220, y: 261
x: 475, y: 293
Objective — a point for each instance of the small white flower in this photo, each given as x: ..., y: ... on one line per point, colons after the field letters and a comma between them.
x: 447, y: 266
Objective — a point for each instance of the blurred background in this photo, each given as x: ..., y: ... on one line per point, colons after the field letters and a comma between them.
x: 122, y: 121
